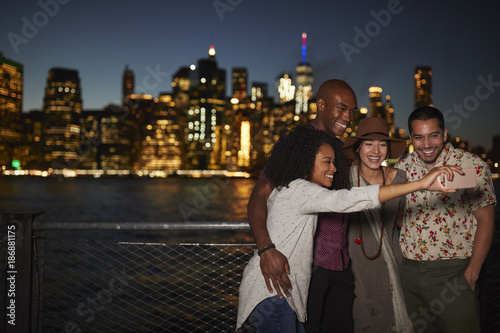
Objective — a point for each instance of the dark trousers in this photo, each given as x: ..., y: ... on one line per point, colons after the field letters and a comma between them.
x: 329, y: 305
x: 438, y: 297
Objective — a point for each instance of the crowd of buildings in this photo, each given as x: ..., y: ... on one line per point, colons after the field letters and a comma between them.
x: 196, y: 126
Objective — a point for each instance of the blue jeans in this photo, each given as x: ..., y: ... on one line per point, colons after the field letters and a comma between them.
x: 275, y: 315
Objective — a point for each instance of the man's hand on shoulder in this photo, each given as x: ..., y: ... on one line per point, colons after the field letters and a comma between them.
x: 275, y: 268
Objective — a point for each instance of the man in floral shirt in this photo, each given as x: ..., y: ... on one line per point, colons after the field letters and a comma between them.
x: 445, y: 237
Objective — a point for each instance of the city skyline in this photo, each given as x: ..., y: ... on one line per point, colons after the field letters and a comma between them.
x: 379, y: 43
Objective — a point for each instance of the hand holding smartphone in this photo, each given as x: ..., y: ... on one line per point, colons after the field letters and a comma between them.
x: 467, y: 180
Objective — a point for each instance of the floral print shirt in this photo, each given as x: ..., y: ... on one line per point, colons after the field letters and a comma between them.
x: 442, y: 225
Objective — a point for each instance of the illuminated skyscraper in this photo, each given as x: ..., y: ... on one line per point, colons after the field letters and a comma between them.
x: 33, y: 122
x: 258, y: 91
x: 423, y: 86
x: 376, y: 107
x: 139, y: 109
x: 240, y: 82
x: 62, y: 107
x: 128, y: 84
x: 211, y: 79
x: 389, y: 115
x: 304, y: 81
x: 205, y: 114
x: 11, y: 101
x: 181, y: 80
x: 286, y: 89
x: 163, y: 144
x: 107, y: 136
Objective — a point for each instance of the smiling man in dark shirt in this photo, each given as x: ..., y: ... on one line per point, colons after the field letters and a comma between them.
x: 332, y: 284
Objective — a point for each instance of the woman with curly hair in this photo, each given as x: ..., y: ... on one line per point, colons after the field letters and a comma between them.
x: 301, y: 169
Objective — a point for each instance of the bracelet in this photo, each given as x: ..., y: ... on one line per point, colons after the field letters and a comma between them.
x: 265, y: 248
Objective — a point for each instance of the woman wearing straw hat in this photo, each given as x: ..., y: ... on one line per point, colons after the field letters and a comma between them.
x: 373, y: 234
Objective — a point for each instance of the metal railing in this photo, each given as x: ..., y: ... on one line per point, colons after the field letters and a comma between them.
x: 121, y: 277
x: 139, y: 277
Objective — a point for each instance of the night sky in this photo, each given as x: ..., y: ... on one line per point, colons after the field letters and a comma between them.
x: 363, y: 42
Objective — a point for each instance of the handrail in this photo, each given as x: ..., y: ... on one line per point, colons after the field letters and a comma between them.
x: 215, y: 225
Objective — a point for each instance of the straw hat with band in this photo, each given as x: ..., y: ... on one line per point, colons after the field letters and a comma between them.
x: 374, y: 128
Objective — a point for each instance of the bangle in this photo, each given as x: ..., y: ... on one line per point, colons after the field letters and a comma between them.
x: 265, y: 248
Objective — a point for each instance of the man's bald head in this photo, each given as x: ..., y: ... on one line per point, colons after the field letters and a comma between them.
x: 328, y: 87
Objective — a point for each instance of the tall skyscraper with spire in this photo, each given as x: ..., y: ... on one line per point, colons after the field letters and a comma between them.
x: 62, y: 106
x: 128, y: 84
x: 304, y: 80
x: 423, y: 86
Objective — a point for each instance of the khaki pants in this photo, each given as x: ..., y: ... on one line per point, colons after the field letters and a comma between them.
x: 439, y: 298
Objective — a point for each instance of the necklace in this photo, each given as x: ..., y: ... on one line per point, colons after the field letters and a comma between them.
x: 359, y: 240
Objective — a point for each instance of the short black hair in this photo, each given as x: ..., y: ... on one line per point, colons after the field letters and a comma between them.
x: 293, y: 155
x: 426, y: 113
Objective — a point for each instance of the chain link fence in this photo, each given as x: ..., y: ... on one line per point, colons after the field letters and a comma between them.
x: 140, y: 287
x: 122, y: 277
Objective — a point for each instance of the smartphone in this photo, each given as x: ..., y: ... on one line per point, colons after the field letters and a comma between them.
x: 467, y: 180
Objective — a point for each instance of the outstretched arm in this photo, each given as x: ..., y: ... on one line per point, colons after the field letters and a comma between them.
x: 430, y: 182
x: 273, y: 264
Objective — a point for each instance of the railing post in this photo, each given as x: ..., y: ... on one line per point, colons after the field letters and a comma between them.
x: 19, y: 294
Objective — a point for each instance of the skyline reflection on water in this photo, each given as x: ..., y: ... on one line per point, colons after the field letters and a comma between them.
x: 128, y: 199
x: 133, y: 199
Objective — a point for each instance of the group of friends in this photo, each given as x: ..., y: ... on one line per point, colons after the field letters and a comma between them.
x: 346, y: 244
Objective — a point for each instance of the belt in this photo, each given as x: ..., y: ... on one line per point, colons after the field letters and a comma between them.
x: 436, y: 263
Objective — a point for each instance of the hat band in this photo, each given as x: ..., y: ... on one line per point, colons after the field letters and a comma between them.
x: 371, y: 133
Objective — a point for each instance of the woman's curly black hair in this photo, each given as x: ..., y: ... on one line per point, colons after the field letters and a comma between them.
x: 293, y: 155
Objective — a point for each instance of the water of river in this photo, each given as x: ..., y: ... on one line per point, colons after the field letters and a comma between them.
x: 128, y: 199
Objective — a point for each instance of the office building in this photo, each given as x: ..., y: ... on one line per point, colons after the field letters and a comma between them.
x: 163, y: 142
x: 128, y: 83
x: 11, y: 102
x: 139, y: 111
x: 107, y: 137
x: 389, y: 116
x: 375, y: 105
x: 285, y: 87
x: 258, y: 91
x: 181, y: 81
x: 62, y: 107
x: 33, y: 123
x: 205, y: 116
x: 239, y: 83
x: 423, y: 86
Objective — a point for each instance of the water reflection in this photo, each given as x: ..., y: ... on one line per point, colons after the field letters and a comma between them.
x: 128, y: 199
